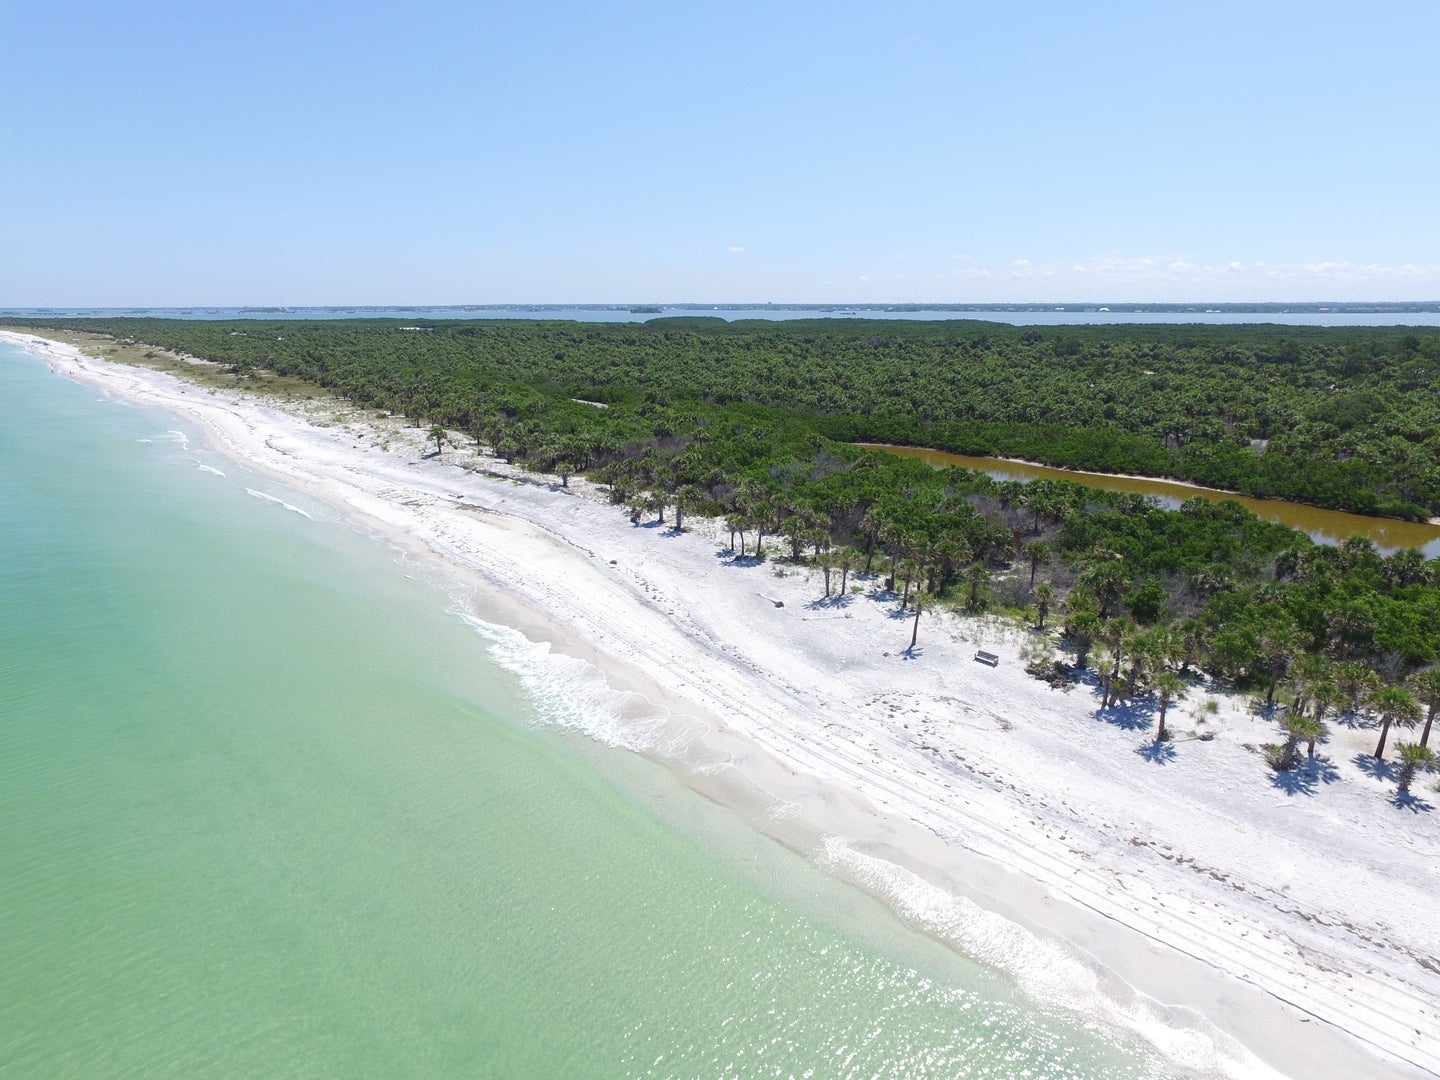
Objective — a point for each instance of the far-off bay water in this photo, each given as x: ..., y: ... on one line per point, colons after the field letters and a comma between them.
x: 269, y: 807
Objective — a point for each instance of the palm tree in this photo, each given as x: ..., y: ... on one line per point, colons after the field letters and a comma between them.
x: 908, y: 570
x: 1276, y: 646
x: 1406, y: 567
x: 1298, y: 726
x: 897, y: 543
x: 1103, y: 655
x: 1354, y: 679
x: 1107, y: 580
x: 1148, y: 653
x: 1082, y: 628
x: 1191, y: 640
x: 872, y: 525
x: 1037, y: 553
x: 915, y: 629
x: 826, y: 562
x: 762, y: 519
x: 1044, y: 595
x: 737, y: 523
x: 1324, y: 696
x: 1120, y: 634
x: 795, y: 529
x: 1168, y: 687
x: 1308, y: 671
x: 818, y: 537
x: 948, y: 553
x: 1412, y: 759
x: 1393, y: 705
x: 560, y: 456
x: 688, y: 499
x: 1426, y: 686
x: 1358, y: 549
x: 438, y: 434
x: 977, y: 576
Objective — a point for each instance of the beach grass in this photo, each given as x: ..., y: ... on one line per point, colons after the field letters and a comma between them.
x: 205, y: 373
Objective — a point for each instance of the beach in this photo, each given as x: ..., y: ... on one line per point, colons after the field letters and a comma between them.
x: 1241, y: 928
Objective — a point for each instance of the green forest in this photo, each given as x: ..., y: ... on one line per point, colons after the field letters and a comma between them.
x: 751, y: 423
x: 1344, y: 418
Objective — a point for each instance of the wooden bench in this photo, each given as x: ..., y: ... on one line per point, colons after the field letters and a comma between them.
x: 987, y: 658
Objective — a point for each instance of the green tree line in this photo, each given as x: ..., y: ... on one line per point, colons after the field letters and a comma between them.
x: 1337, y: 417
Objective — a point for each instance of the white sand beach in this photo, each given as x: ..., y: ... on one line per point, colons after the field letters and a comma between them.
x: 1242, y: 928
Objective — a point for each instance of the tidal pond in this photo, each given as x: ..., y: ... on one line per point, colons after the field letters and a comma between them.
x: 1324, y: 526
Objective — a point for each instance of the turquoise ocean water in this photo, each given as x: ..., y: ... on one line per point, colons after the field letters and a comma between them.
x: 268, y: 808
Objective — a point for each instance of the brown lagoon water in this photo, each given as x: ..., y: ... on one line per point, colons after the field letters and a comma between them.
x: 1324, y: 526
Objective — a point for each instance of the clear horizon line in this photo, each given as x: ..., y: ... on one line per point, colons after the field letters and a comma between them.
x: 959, y: 304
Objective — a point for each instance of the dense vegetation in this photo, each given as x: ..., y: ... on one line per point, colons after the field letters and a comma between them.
x: 1344, y: 418
x: 741, y: 423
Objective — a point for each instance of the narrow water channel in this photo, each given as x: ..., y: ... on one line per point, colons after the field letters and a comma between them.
x: 1324, y: 526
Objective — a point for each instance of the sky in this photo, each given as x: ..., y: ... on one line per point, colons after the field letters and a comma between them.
x: 177, y: 154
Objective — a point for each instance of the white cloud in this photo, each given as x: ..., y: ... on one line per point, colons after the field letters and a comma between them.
x: 736, y: 249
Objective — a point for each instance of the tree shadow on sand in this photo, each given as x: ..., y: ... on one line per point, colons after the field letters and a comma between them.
x: 727, y: 557
x: 1408, y: 800
x: 1374, y: 767
x: 1307, y: 777
x: 1157, y: 752
x: 1348, y: 719
x: 1266, y: 711
x: 1130, y: 716
x: 829, y: 603
x: 913, y: 653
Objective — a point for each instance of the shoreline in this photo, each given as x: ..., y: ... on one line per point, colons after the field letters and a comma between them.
x: 931, y: 783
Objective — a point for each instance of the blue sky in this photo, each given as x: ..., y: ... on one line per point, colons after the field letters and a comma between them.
x: 181, y: 153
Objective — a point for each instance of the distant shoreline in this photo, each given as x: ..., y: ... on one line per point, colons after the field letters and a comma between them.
x: 1309, y: 315
x: 1219, y: 307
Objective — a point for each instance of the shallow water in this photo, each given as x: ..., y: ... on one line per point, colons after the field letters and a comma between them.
x: 270, y: 806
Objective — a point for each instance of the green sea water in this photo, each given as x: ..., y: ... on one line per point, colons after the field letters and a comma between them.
x: 269, y: 808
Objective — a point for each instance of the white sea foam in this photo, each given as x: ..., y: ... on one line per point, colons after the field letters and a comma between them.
x: 176, y: 437
x: 278, y: 502
x: 1048, y: 972
x: 573, y: 694
x: 209, y: 469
